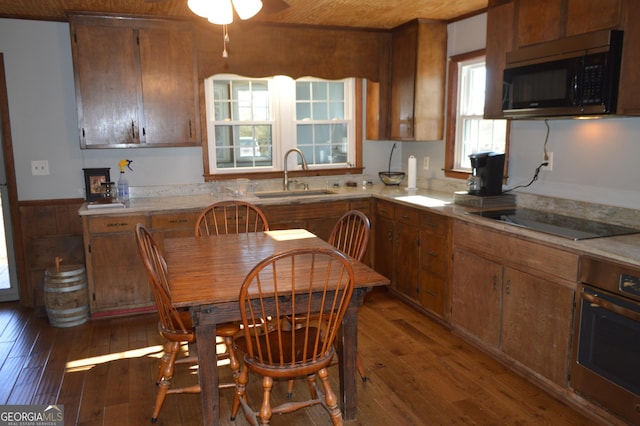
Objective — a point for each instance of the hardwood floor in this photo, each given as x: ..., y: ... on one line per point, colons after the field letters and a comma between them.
x: 103, y: 373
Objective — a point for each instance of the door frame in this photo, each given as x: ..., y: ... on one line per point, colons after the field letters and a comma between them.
x: 12, y: 187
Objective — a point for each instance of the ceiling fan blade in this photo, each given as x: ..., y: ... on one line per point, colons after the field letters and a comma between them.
x: 273, y: 6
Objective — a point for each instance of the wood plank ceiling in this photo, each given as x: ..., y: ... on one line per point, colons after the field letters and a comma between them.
x: 382, y: 14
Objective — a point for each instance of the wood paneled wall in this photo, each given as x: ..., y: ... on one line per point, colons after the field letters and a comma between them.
x: 259, y: 50
x: 50, y: 229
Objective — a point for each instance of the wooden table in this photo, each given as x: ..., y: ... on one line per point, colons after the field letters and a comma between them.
x: 206, y: 274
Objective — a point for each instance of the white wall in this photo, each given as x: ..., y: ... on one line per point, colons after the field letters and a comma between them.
x: 593, y: 161
x: 37, y: 57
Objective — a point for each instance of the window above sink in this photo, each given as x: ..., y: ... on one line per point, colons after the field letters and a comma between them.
x: 251, y: 122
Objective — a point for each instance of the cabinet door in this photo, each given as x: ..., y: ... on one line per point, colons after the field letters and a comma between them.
x: 499, y: 42
x: 169, y: 85
x: 539, y: 21
x: 107, y: 79
x: 536, y: 324
x: 406, y: 260
x: 119, y: 278
x: 383, y: 246
x: 434, y: 262
x: 476, y: 296
x: 584, y: 16
x: 403, y: 81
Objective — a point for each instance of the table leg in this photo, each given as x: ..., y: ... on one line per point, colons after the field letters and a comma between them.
x: 347, y: 349
x: 208, y: 372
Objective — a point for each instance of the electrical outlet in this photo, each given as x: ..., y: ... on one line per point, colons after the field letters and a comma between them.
x: 549, y: 167
x: 40, y: 167
x: 425, y: 163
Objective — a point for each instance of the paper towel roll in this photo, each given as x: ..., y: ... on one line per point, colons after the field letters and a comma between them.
x: 412, y: 173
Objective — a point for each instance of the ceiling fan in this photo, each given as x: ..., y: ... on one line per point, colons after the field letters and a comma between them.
x: 268, y: 6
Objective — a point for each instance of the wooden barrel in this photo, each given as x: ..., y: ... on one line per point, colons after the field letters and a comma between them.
x: 66, y: 295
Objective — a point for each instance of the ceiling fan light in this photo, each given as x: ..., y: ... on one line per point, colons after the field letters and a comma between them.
x: 247, y: 8
x: 222, y: 13
x: 202, y: 8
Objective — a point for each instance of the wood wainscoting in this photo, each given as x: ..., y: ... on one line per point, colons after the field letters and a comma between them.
x: 48, y: 229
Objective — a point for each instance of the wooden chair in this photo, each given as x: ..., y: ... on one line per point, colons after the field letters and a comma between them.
x: 350, y: 235
x: 174, y: 325
x: 231, y: 217
x: 281, y: 352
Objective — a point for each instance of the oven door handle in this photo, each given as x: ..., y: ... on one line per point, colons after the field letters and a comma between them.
x: 616, y: 309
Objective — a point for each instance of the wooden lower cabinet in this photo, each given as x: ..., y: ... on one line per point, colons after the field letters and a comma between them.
x: 435, y: 234
x: 411, y: 248
x: 502, y: 301
x: 318, y: 218
x: 406, y: 256
x: 476, y: 296
x: 116, y: 278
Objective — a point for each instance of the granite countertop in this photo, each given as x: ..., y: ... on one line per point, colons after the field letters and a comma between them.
x: 624, y: 249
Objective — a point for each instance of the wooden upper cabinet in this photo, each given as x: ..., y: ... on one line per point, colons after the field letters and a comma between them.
x: 584, y: 16
x: 136, y: 82
x: 518, y: 23
x: 545, y: 20
x: 418, y: 66
x: 500, y: 35
x: 539, y: 21
x: 107, y: 85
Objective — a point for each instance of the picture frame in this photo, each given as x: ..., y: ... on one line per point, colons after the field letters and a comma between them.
x: 93, y: 178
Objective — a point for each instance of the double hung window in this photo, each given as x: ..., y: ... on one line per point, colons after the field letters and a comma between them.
x: 252, y: 122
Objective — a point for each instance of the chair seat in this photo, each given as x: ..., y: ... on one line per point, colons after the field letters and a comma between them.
x: 294, y: 346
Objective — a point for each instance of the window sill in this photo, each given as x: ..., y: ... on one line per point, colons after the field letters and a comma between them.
x: 279, y: 174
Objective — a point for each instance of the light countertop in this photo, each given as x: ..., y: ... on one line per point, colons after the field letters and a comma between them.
x: 625, y: 249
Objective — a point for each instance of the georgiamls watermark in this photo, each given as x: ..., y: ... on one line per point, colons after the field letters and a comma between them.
x: 31, y: 415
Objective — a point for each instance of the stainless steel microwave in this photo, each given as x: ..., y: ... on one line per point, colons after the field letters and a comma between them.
x: 574, y: 76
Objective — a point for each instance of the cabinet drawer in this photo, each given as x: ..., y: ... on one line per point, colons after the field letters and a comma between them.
x: 433, y: 223
x: 362, y: 205
x: 299, y: 212
x: 174, y: 220
x: 407, y: 215
x: 385, y: 209
x: 433, y: 254
x: 516, y: 251
x: 106, y: 224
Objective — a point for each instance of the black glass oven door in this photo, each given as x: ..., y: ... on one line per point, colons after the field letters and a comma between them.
x: 609, y: 340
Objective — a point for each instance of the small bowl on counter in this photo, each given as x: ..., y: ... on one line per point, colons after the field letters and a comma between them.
x: 391, y: 178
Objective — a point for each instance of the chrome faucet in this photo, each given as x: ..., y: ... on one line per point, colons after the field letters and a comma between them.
x: 285, y: 181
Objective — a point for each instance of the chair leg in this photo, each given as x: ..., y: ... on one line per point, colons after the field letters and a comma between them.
x: 360, y: 367
x: 243, y: 378
x: 290, y: 388
x: 330, y: 398
x: 311, y: 380
x: 164, y: 361
x: 166, y: 373
x: 234, y: 363
x: 265, y: 409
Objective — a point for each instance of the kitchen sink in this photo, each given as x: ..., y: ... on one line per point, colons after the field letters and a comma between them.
x: 284, y: 194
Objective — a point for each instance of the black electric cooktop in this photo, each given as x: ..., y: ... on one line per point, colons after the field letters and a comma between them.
x: 555, y: 224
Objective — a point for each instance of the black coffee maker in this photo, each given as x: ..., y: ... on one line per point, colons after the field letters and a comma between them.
x: 487, y: 171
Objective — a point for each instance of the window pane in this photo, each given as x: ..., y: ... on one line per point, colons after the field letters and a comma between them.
x: 320, y: 111
x: 303, y: 111
x: 325, y: 141
x: 336, y: 110
x: 473, y: 133
x: 303, y: 90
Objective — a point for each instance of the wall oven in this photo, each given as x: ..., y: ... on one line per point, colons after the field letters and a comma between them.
x: 606, y: 350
